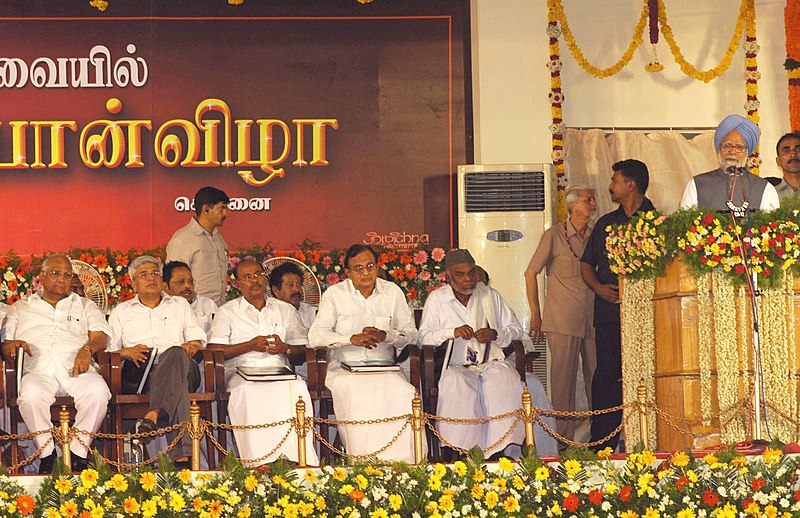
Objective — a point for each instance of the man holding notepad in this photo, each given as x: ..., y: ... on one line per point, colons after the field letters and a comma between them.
x: 258, y: 335
x: 156, y: 323
x: 365, y: 320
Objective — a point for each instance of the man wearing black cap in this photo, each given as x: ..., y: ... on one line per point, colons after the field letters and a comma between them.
x: 476, y: 324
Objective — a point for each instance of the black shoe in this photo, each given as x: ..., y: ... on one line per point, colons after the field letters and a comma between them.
x: 46, y: 464
x: 79, y: 463
x: 144, y: 426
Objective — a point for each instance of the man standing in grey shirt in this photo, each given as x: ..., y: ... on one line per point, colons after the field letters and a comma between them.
x: 200, y: 244
x: 788, y: 159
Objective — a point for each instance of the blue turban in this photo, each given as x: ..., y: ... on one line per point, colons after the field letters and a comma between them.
x: 747, y: 128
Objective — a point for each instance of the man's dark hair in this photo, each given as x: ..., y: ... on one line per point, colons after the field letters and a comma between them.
x: 243, y: 261
x: 635, y: 171
x: 791, y: 134
x: 276, y: 275
x: 357, y: 249
x: 208, y: 196
x: 166, y: 273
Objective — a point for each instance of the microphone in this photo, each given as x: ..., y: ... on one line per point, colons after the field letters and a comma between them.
x: 736, y: 170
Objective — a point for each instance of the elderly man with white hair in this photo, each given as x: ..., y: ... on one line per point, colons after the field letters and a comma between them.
x: 732, y: 187
x: 153, y: 320
x: 58, y: 331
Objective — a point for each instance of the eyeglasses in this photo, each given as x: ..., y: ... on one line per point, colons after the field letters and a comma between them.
x: 144, y: 275
x: 252, y: 276
x: 361, y: 267
x: 55, y: 274
x: 728, y: 146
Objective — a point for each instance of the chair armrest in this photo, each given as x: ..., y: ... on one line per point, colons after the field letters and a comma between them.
x: 428, y: 367
x: 317, y: 360
x: 115, y: 369
x: 209, y: 369
x: 530, y: 357
x: 103, y: 359
x: 414, y: 358
x: 10, y: 368
x: 519, y: 357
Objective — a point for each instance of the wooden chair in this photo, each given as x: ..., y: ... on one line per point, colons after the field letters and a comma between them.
x: 124, y: 407
x: 432, y: 366
x: 12, y: 391
x: 317, y: 360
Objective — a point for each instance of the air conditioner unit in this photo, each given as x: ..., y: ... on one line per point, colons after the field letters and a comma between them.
x: 502, y: 212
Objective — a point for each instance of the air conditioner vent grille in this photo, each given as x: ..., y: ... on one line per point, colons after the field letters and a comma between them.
x: 504, y: 191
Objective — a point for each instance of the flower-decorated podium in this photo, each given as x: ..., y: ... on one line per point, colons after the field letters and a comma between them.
x: 688, y: 331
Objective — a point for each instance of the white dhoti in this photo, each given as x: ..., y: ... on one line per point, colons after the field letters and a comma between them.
x: 254, y: 402
x: 488, y: 390
x: 373, y: 396
x: 38, y: 391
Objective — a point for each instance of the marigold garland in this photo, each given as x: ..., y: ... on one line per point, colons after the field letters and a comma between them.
x: 752, y: 75
x: 556, y: 102
x: 704, y: 338
x: 791, y: 19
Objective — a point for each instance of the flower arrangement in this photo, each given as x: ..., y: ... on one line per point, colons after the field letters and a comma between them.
x: 417, y: 272
x: 719, y: 484
x: 637, y: 247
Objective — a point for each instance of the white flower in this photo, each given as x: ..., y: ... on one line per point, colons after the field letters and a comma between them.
x: 605, y: 506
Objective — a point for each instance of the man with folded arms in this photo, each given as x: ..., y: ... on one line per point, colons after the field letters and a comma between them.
x: 158, y: 321
x: 366, y: 318
x: 179, y: 282
x: 257, y: 331
x: 478, y: 382
x: 58, y: 332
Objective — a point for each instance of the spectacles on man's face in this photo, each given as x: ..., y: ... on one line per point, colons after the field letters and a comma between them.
x: 56, y: 274
x: 360, y: 268
x: 252, y: 276
x: 152, y: 275
x: 729, y: 146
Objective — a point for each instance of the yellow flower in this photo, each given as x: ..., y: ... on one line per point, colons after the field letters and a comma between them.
x: 148, y: 481
x: 460, y: 468
x: 648, y: 458
x: 710, y: 458
x: 149, y: 508
x: 692, y: 476
x: 250, y: 483
x: 89, y: 477
x: 395, y: 501
x: 680, y: 459
x: 176, y: 502
x: 739, y: 461
x: 69, y: 509
x: 629, y: 514
x: 97, y: 512
x: 215, y: 508
x: 686, y: 513
x: 380, y: 513
x: 604, y: 453
x: 63, y: 486
x: 505, y: 464
x: 479, y: 475
x: 431, y: 507
x: 439, y: 470
x: 370, y: 470
x: 361, y: 481
x: 434, y: 483
x: 130, y: 505
x: 185, y: 475
x: 572, y: 467
x: 53, y: 513
x: 320, y: 503
x: 770, y: 511
x: 339, y: 474
x: 492, y: 498
x: 118, y: 483
x: 772, y: 456
x: 446, y: 503
x: 511, y: 505
x: 477, y: 492
x: 651, y: 513
x: 542, y: 473
x: 244, y: 512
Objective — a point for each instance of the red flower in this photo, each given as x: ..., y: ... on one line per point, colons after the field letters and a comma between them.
x: 398, y: 274
x: 12, y: 284
x: 746, y: 503
x: 313, y: 257
x: 596, y: 496
x: 710, y: 498
x: 708, y: 219
x: 411, y: 272
x: 571, y: 502
x: 796, y: 495
x: 625, y: 493
x: 356, y: 495
x: 773, y: 225
x: 758, y: 483
x: 681, y: 482
x: 740, y: 269
x: 100, y: 261
x: 121, y: 260
x: 710, y: 239
x: 405, y: 259
x: 300, y: 256
x: 763, y: 228
x: 25, y: 504
x: 413, y: 294
x: 13, y: 298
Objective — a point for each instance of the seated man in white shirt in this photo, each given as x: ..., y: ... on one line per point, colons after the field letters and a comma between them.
x: 178, y: 282
x: 59, y: 332
x: 366, y: 318
x: 477, y: 382
x: 166, y: 324
x: 254, y: 330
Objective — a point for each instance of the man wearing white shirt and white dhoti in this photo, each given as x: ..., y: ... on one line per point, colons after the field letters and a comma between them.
x: 254, y: 330
x: 58, y: 332
x: 366, y: 318
x: 477, y: 382
x: 179, y: 282
x: 166, y: 324
x: 286, y: 284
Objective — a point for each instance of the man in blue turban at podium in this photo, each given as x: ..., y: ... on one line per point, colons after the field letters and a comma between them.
x: 732, y: 187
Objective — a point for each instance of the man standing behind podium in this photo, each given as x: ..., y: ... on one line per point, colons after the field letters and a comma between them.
x: 628, y: 187
x: 366, y: 318
x: 200, y: 245
x: 732, y: 187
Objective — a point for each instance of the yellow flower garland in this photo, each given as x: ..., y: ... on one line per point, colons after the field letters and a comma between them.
x: 556, y: 11
x: 704, y: 345
x: 688, y: 68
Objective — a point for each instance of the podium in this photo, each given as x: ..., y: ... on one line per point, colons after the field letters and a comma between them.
x: 697, y: 358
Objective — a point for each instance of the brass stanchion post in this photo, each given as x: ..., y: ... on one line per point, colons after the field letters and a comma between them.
x: 300, y: 408
x: 194, y: 432
x: 63, y: 421
x: 416, y: 426
x: 641, y: 396
x: 527, y: 410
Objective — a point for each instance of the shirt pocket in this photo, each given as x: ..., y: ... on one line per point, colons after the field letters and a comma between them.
x: 566, y: 267
x: 77, y: 326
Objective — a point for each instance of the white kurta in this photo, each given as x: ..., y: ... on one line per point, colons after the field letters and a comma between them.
x: 55, y: 335
x: 487, y: 389
x: 204, y: 309
x: 252, y: 402
x: 343, y: 312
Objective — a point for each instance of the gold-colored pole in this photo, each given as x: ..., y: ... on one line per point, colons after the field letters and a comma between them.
x: 300, y: 408
x: 194, y: 433
x: 63, y: 421
x: 417, y: 426
x: 527, y: 411
x: 641, y: 396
